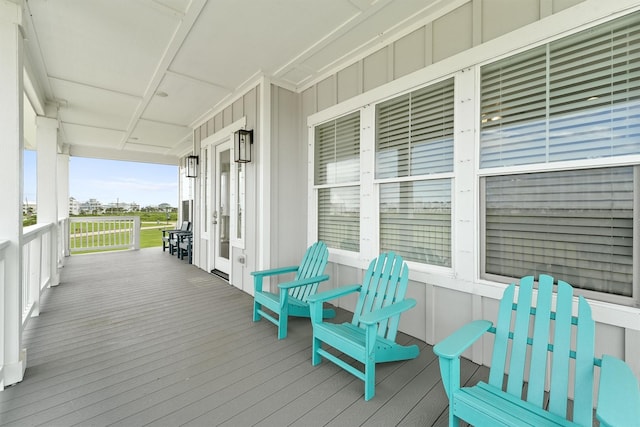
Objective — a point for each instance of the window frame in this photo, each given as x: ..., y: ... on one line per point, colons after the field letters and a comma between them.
x: 409, y: 177
x: 316, y: 188
x: 555, y: 166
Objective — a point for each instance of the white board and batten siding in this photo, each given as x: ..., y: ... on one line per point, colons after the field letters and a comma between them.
x: 280, y: 205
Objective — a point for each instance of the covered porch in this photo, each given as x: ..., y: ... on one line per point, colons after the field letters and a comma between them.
x: 158, y: 341
x: 155, y: 338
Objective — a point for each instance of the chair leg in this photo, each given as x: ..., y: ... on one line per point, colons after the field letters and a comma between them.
x: 283, y: 316
x: 453, y: 420
x: 369, y: 379
x: 256, y: 307
x: 315, y: 356
x: 282, y: 326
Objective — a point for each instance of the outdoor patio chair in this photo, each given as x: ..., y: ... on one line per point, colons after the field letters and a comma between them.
x: 291, y: 300
x: 185, y: 241
x: 370, y: 337
x: 547, y: 354
x: 168, y: 235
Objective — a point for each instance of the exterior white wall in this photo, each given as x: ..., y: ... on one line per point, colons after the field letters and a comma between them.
x: 288, y: 191
x: 455, y: 44
x: 276, y: 197
x: 247, y: 107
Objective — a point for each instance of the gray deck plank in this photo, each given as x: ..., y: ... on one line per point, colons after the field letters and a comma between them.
x: 391, y: 404
x: 142, y: 338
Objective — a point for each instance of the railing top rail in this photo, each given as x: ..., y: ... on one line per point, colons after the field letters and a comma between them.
x: 33, y: 231
x: 101, y: 218
x: 4, y: 244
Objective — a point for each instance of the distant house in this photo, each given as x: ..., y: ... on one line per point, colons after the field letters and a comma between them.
x: 92, y: 206
x: 74, y: 206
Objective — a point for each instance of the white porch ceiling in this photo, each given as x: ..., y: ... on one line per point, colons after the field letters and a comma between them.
x: 102, y: 63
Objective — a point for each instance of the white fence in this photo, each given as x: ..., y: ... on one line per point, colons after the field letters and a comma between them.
x: 104, y: 233
x: 43, y: 248
x: 39, y: 265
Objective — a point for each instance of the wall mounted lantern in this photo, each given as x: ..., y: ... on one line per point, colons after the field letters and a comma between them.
x: 192, y: 166
x: 242, y: 146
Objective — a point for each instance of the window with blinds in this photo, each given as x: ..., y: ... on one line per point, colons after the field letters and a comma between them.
x: 415, y: 220
x: 575, y: 98
x: 339, y: 217
x: 414, y: 138
x: 414, y: 133
x: 575, y: 225
x: 337, y: 181
x: 337, y: 151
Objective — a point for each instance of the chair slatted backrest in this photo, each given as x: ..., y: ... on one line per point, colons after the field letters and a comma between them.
x: 313, y: 264
x: 385, y: 282
x: 515, y: 323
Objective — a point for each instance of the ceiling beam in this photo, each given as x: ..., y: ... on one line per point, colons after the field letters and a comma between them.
x: 181, y: 33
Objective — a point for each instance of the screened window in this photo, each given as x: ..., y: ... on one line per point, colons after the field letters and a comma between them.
x: 337, y: 180
x: 577, y: 98
x: 414, y: 150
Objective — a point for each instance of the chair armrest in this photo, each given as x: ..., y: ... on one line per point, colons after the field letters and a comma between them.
x: 275, y: 271
x: 302, y: 282
x: 333, y: 293
x: 455, y: 344
x: 176, y: 234
x: 618, y: 394
x: 386, y: 312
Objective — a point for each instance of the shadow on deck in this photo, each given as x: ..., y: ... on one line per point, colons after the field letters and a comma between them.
x: 138, y: 338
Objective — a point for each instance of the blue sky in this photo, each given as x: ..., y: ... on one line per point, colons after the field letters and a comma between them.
x: 111, y: 181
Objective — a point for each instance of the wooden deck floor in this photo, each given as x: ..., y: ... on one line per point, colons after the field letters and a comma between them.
x: 142, y: 338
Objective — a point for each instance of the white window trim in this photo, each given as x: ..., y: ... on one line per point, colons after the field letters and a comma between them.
x: 464, y: 276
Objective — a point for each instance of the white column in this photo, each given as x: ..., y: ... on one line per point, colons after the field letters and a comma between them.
x: 12, y: 356
x: 47, y: 197
x: 47, y: 152
x: 63, y: 205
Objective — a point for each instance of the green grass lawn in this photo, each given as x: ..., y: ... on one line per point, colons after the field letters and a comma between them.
x: 150, y: 238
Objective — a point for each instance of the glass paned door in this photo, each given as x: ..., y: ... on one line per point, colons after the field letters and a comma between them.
x: 221, y: 209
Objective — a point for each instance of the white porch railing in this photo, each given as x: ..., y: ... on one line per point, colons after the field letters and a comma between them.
x: 44, y: 248
x: 104, y: 233
x: 39, y: 266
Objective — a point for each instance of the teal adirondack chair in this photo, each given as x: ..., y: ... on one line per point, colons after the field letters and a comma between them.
x: 291, y: 300
x: 522, y: 335
x: 370, y: 337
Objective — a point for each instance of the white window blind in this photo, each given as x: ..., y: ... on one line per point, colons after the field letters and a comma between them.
x: 337, y: 150
x: 513, y: 103
x: 576, y: 225
x: 339, y: 217
x: 414, y: 137
x: 414, y: 132
x: 415, y: 220
x: 575, y: 98
x: 337, y: 177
